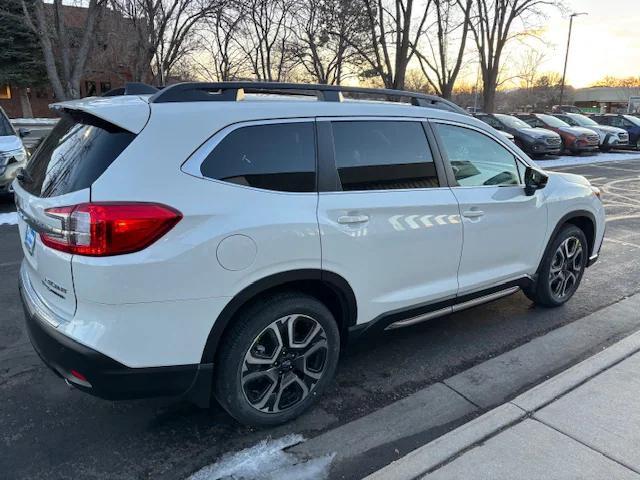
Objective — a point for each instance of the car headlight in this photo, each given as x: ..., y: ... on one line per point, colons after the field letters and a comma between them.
x: 596, y: 191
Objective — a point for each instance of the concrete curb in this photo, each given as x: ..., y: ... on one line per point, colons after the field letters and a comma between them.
x: 442, y: 450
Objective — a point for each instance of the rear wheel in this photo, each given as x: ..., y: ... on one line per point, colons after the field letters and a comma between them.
x: 276, y: 359
x: 562, y: 268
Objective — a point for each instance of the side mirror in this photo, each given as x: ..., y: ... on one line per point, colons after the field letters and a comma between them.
x: 534, y: 180
x: 23, y: 132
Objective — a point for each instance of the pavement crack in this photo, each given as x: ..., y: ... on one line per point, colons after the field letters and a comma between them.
x: 561, y: 432
x: 462, y: 395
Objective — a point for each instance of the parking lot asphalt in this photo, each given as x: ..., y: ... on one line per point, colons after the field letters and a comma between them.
x: 48, y: 430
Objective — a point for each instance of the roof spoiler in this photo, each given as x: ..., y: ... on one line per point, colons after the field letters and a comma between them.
x: 129, y: 112
x: 132, y: 88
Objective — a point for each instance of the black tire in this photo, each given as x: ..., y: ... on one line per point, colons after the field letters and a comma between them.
x: 605, y: 149
x: 239, y: 376
x: 545, y: 291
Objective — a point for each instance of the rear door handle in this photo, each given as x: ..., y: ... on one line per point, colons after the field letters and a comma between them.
x: 349, y: 219
x: 473, y: 213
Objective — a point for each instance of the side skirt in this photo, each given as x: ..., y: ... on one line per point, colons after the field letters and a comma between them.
x: 422, y: 313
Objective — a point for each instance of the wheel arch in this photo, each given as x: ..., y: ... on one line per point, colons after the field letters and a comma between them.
x: 331, y: 288
x: 584, y: 220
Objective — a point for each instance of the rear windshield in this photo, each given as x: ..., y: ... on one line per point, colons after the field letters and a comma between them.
x: 77, y: 151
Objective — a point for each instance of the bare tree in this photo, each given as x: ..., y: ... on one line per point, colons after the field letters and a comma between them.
x: 394, y: 29
x: 165, y: 32
x: 441, y: 65
x: 323, y: 33
x: 65, y: 51
x: 611, y: 81
x: 224, y: 60
x: 492, y: 26
x: 266, y: 33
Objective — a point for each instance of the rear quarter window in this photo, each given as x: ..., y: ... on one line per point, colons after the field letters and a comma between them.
x: 77, y: 151
x: 278, y: 156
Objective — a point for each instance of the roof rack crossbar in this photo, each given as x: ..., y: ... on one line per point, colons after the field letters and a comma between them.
x: 234, y: 91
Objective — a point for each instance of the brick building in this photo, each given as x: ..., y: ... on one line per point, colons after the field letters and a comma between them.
x: 107, y: 65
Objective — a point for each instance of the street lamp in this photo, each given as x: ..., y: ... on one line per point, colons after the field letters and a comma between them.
x: 566, y: 57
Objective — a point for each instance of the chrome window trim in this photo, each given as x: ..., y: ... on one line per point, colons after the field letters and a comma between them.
x: 501, y: 142
x: 192, y: 165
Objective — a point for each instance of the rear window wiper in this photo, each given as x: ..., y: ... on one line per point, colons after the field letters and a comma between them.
x: 24, y: 176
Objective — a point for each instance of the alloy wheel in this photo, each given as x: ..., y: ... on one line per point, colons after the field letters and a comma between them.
x: 566, y: 267
x: 284, y: 363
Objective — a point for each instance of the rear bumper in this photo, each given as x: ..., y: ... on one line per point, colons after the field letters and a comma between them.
x: 101, y: 375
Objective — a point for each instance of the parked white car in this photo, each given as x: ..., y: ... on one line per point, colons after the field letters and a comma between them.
x: 13, y: 155
x: 209, y: 238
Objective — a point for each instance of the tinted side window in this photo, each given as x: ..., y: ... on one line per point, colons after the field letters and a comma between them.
x: 476, y: 159
x: 381, y: 155
x: 77, y: 151
x: 533, y: 121
x: 279, y: 156
x: 491, y: 121
x: 613, y: 121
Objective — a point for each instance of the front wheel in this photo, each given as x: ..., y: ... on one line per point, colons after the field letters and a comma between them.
x: 277, y: 358
x: 562, y: 268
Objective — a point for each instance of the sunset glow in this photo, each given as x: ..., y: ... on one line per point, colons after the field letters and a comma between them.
x: 604, y: 43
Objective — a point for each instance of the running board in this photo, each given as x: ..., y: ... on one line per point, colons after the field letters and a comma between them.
x: 455, y: 308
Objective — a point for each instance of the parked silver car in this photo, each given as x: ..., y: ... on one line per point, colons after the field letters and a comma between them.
x: 13, y: 155
x: 610, y: 137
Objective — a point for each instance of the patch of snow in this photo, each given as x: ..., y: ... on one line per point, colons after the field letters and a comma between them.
x: 563, y: 161
x: 34, y: 121
x: 9, y: 218
x: 267, y: 460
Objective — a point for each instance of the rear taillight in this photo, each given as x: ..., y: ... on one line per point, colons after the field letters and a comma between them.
x: 109, y: 228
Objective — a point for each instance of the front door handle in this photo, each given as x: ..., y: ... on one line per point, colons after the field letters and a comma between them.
x: 349, y: 219
x: 473, y: 214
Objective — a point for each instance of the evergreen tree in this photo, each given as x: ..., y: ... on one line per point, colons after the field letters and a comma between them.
x: 21, y: 62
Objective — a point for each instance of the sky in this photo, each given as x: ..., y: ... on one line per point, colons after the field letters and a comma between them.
x: 605, y: 42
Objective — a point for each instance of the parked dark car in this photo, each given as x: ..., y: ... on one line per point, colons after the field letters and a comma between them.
x: 630, y: 123
x: 610, y: 137
x: 534, y: 141
x: 574, y: 139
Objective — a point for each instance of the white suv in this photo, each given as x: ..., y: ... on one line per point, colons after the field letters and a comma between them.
x: 197, y: 240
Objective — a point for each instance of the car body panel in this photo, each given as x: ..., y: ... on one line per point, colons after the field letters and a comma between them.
x: 155, y: 307
x: 13, y: 155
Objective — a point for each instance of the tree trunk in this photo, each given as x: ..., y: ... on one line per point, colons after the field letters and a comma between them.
x: 489, y: 98
x: 490, y: 84
x: 447, y: 90
x: 25, y: 103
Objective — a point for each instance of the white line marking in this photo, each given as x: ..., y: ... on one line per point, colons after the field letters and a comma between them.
x: 621, y: 242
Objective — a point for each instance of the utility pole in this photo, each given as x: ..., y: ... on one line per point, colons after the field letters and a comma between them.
x: 566, y: 57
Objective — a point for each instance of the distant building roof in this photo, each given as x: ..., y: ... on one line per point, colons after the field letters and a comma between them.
x: 605, y: 94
